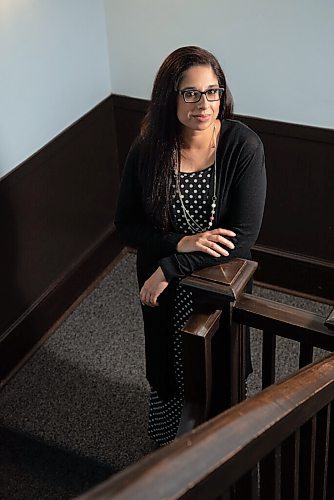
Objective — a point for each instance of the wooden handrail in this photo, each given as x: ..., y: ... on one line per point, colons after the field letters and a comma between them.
x: 285, y: 320
x: 207, y: 461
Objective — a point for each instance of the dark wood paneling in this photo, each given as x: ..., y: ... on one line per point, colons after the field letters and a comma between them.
x: 57, y: 209
x: 129, y: 113
x: 300, y: 202
x: 305, y: 276
x: 25, y: 334
x: 295, y: 248
x: 56, y: 226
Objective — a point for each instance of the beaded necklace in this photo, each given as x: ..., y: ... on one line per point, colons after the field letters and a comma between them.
x: 191, y: 222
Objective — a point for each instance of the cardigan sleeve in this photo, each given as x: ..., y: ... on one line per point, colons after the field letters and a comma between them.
x: 131, y: 219
x: 244, y: 217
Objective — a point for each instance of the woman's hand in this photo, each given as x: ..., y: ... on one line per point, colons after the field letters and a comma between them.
x: 209, y: 242
x: 152, y: 288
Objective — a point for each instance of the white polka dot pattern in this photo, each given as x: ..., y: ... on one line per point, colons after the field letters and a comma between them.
x: 164, y: 416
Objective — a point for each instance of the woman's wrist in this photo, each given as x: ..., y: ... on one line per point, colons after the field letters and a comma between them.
x: 181, y: 243
x: 160, y: 273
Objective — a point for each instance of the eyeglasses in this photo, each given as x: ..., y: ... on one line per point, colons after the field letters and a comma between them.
x: 190, y: 95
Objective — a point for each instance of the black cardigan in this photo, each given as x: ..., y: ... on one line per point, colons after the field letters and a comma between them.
x: 241, y: 188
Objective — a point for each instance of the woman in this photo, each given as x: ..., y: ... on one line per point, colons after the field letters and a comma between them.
x: 192, y: 196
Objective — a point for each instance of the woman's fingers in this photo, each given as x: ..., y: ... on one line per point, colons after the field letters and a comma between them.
x: 211, y: 242
x: 149, y: 301
x: 220, y: 230
x: 152, y: 288
x: 220, y: 239
x: 212, y: 248
x: 209, y: 250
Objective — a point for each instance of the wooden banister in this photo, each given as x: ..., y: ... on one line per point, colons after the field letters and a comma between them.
x: 285, y: 320
x: 277, y: 445
x: 214, y: 363
x: 227, y: 451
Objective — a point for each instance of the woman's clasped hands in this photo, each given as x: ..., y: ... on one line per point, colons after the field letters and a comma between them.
x: 211, y: 242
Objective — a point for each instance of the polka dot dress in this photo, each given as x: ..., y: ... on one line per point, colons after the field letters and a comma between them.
x: 196, y: 193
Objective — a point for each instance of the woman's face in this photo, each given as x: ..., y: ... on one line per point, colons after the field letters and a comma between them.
x: 202, y: 114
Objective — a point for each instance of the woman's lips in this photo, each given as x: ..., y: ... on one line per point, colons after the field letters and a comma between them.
x: 202, y: 118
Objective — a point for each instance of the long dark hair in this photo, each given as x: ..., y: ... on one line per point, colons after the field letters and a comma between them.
x: 160, y: 130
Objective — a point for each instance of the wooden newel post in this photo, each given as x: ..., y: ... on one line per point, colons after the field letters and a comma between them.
x: 214, y: 346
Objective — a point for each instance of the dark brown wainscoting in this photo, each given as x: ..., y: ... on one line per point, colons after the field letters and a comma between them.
x: 291, y: 273
x: 56, y: 226
x: 129, y: 113
x: 296, y: 246
x: 57, y: 209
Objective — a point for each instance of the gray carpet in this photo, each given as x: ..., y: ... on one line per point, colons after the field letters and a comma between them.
x: 77, y: 411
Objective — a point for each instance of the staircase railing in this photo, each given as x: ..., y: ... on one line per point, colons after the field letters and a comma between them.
x: 215, y: 339
x: 276, y: 445
x: 279, y: 444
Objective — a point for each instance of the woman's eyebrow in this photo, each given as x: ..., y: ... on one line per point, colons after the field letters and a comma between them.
x: 188, y: 87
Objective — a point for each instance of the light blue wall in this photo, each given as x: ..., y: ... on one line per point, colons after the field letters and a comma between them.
x: 54, y: 68
x: 277, y: 54
x: 58, y: 60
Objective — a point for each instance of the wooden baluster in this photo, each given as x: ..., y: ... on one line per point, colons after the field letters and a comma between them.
x: 305, y: 354
x: 268, y: 358
x: 229, y: 363
x: 222, y: 365
x: 290, y: 467
x: 330, y: 466
x: 227, y: 495
x: 238, y: 363
x: 321, y: 453
x: 247, y: 488
x: 270, y: 475
x: 307, y: 459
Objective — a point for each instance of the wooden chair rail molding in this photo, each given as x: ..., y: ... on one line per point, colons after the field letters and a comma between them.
x: 251, y: 451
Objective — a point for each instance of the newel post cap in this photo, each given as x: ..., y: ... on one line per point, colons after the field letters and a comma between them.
x: 224, y: 282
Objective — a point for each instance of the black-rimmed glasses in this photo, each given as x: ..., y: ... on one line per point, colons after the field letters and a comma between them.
x: 190, y: 95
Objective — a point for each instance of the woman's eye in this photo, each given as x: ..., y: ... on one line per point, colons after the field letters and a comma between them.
x: 190, y: 93
x: 212, y: 91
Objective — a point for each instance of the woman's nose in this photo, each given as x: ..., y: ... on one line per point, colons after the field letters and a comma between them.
x: 203, y: 102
